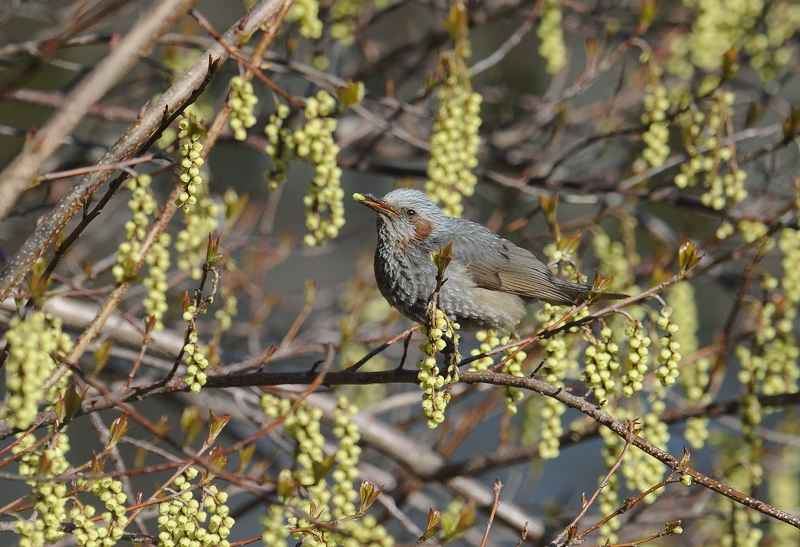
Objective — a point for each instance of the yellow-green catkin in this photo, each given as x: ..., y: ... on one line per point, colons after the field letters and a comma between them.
x: 315, y: 143
x: 617, y: 263
x: 143, y: 207
x: 668, y: 350
x: 306, y: 13
x: 32, y: 343
x: 40, y: 465
x: 789, y: 244
x: 157, y: 260
x: 718, y: 26
x: 784, y: 353
x: 601, y: 365
x: 345, y: 15
x: 771, y: 51
x: 709, y: 159
x: 435, y: 393
x: 242, y: 102
x: 772, y: 362
x: 192, y: 240
x: 200, y: 212
x: 195, y: 359
x: 753, y: 230
x: 357, y: 532
x: 344, y: 18
x: 744, y: 461
x: 190, y: 147
x: 275, y: 529
x: 344, y: 497
x: 558, y: 363
x: 511, y: 362
x: 280, y: 146
x: 551, y: 37
x: 319, y: 501
x: 187, y: 519
x: 88, y: 532
x: 227, y: 312
x: 637, y: 359
x: 304, y: 426
x: 656, y: 107
x: 455, y: 139
x: 641, y: 470
x: 487, y: 339
x: 513, y: 359
x: 694, y: 374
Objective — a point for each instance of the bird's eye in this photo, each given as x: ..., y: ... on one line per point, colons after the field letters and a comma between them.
x: 411, y: 212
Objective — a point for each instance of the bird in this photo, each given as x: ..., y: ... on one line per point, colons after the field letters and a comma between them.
x: 488, y: 280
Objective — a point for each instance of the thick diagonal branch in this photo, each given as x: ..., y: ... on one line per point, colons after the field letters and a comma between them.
x: 139, y: 136
x: 21, y: 172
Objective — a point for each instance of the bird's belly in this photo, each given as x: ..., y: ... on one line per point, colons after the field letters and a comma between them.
x: 476, y: 308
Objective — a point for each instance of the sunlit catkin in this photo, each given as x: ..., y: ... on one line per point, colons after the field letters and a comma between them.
x: 551, y: 36
x: 455, y: 139
x: 315, y: 143
x: 33, y: 343
x: 694, y: 369
x: 242, y: 101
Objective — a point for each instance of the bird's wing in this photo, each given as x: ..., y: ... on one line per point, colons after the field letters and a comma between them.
x: 497, y: 264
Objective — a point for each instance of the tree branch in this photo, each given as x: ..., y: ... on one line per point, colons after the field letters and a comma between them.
x: 23, y: 169
x: 139, y: 136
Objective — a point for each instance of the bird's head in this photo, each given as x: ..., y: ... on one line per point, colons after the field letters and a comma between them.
x: 405, y: 216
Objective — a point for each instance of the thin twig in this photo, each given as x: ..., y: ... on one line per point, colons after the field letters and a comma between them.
x: 498, y: 486
x: 569, y: 531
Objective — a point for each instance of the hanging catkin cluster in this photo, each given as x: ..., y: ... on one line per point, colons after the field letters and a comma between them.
x: 89, y: 532
x: 771, y: 51
x: 190, y: 147
x: 49, y: 496
x: 187, y: 519
x: 315, y: 143
x: 668, y: 355
x: 279, y: 146
x: 656, y: 137
x: 242, y: 101
x: 435, y: 394
x: 718, y: 26
x: 32, y: 343
x: 602, y: 362
x: 143, y: 207
x: 694, y: 374
x: 200, y: 212
x: 551, y: 37
x: 305, y: 496
x: 455, y: 140
x: 559, y: 360
x: 711, y: 160
x: 306, y: 13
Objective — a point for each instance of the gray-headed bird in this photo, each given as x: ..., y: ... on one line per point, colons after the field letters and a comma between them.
x: 488, y: 279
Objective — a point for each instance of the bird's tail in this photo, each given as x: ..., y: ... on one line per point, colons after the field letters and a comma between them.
x: 570, y: 293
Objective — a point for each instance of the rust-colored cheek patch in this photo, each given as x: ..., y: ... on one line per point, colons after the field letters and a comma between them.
x: 422, y: 229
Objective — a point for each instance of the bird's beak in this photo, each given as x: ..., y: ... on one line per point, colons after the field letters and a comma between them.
x: 377, y: 205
